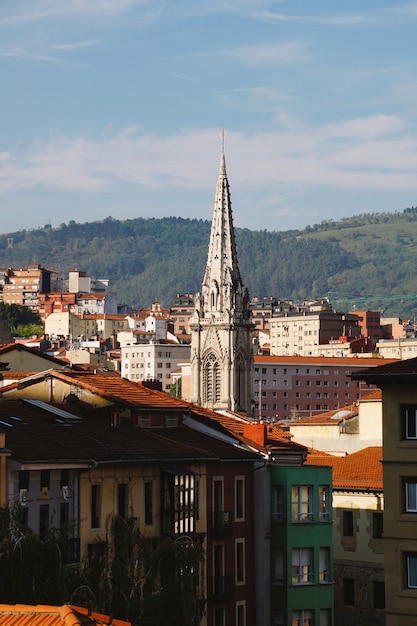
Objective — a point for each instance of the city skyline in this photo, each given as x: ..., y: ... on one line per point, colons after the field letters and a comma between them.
x: 116, y: 107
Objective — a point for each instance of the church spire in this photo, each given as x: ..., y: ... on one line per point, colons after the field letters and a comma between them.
x: 221, y: 328
x: 222, y: 287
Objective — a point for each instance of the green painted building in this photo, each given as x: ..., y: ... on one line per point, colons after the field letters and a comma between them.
x: 301, y: 546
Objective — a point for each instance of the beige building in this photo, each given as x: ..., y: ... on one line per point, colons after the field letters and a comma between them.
x: 23, y: 286
x: 74, y: 327
x: 401, y: 348
x: 398, y: 382
x: 342, y: 431
x: 302, y: 333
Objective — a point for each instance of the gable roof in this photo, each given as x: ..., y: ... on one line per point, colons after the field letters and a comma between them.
x: 46, y: 615
x: 21, y: 347
x: 359, y: 471
x: 81, y: 436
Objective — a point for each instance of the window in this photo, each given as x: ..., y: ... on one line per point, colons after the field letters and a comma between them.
x: 302, y: 566
x: 302, y: 618
x: 347, y: 523
x: 45, y: 483
x: 148, y: 502
x: 278, y: 565
x: 410, y: 486
x: 122, y: 500
x: 241, y: 613
x: 325, y: 617
x: 278, y: 503
x: 324, y: 565
x: 240, y: 561
x: 302, y: 503
x: 379, y: 594
x: 239, y: 498
x: 324, y: 503
x: 409, y: 421
x: 178, y: 502
x: 349, y: 591
x: 278, y: 619
x: 63, y: 514
x: 411, y: 570
x: 219, y: 617
x: 43, y: 520
x: 377, y: 525
x: 95, y: 506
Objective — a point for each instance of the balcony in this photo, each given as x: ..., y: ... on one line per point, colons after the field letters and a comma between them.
x: 222, y: 523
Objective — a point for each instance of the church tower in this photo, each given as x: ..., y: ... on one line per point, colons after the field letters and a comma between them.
x: 221, y: 328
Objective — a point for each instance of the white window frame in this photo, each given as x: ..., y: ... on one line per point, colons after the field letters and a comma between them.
x: 241, y: 605
x: 240, y: 480
x: 240, y: 552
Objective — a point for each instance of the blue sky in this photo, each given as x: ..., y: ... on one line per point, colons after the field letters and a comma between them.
x: 115, y: 108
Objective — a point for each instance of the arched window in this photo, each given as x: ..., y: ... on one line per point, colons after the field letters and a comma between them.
x: 211, y: 391
x: 240, y: 382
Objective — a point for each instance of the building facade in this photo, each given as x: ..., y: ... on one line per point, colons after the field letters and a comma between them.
x: 398, y: 382
x: 293, y: 387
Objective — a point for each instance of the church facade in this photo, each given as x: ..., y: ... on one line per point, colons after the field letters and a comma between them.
x: 221, y: 327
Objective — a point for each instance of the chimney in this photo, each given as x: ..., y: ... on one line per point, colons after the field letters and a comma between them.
x: 256, y: 433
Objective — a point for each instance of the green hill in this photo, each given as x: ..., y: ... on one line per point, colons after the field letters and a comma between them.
x: 372, y: 257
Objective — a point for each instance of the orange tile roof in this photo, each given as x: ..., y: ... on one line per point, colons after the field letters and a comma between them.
x: 237, y: 425
x: 371, y: 395
x: 47, y: 615
x: 359, y: 471
x: 335, y: 417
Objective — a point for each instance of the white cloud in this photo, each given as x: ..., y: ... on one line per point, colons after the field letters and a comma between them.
x: 374, y: 153
x: 272, y: 54
x: 22, y: 11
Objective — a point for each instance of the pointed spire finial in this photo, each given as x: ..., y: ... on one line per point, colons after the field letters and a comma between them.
x: 222, y: 137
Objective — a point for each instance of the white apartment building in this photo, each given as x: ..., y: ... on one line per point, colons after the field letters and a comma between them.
x: 153, y: 361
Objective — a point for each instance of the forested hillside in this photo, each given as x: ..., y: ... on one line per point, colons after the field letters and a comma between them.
x: 152, y: 259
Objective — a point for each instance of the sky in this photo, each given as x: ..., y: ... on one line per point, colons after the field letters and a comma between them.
x: 117, y: 108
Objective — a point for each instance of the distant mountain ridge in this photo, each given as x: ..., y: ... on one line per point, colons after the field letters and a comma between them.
x: 153, y: 259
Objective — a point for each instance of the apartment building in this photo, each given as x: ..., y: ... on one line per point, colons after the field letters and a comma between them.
x: 180, y: 312
x: 23, y: 286
x: 79, y: 281
x: 302, y: 330
x: 153, y: 361
x: 73, y: 327
x: 401, y: 348
x: 398, y: 382
x: 296, y: 386
x: 358, y: 554
x: 134, y: 457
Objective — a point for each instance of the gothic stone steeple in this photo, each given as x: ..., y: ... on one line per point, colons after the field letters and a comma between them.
x: 221, y: 329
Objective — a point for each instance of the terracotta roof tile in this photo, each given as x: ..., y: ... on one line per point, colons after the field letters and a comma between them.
x: 46, y: 615
x: 359, y: 471
x: 329, y: 417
